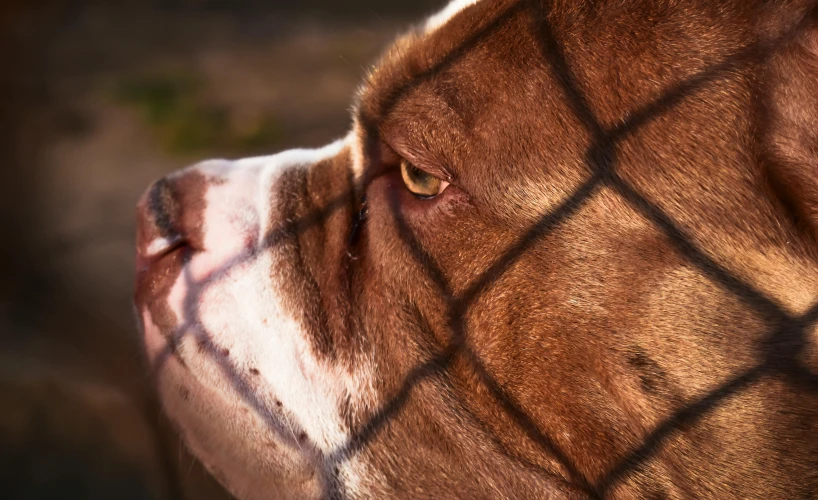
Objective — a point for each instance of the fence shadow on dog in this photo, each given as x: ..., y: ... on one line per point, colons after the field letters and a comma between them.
x: 780, y: 352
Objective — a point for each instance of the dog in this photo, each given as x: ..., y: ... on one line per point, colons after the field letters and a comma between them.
x: 568, y: 250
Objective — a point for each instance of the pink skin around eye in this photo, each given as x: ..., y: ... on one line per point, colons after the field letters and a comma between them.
x: 443, y: 186
x: 391, y: 187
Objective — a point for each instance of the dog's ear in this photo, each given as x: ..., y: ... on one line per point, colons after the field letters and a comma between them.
x: 791, y: 128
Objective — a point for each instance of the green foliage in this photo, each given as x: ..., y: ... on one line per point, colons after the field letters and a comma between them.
x: 175, y: 108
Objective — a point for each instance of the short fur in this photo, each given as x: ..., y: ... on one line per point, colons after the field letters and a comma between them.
x: 616, y: 297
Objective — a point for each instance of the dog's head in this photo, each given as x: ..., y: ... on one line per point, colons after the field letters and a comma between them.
x: 566, y: 250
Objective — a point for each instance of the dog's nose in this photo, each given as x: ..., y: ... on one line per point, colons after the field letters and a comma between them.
x: 211, y: 209
x: 166, y: 218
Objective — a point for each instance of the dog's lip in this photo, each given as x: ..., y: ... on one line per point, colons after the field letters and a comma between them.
x: 157, y: 267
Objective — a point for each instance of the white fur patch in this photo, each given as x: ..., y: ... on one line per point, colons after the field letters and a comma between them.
x: 448, y: 12
x: 356, y: 150
x: 358, y: 478
x: 292, y: 158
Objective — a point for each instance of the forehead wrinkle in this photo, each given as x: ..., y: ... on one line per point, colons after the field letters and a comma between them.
x: 408, y: 63
x: 429, y: 125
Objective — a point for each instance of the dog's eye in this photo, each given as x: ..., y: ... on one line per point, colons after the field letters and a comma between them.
x: 420, y: 183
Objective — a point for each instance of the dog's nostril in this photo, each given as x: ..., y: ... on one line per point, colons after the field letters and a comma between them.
x: 158, y: 214
x: 163, y: 207
x: 161, y: 246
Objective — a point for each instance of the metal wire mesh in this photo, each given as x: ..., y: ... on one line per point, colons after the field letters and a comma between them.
x: 787, y: 333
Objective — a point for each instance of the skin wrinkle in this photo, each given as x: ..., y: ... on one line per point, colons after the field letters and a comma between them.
x: 783, y: 345
x: 315, y: 317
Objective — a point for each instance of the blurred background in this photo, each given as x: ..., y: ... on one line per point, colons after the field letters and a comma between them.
x: 97, y: 99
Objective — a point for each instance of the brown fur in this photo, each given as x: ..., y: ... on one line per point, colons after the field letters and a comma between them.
x: 616, y: 297
x: 637, y: 343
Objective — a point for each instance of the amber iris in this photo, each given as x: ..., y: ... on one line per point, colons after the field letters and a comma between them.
x: 419, y: 182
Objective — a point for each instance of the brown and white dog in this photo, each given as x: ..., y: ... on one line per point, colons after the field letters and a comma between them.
x: 569, y: 250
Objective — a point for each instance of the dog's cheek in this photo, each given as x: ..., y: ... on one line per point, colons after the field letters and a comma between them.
x: 405, y: 230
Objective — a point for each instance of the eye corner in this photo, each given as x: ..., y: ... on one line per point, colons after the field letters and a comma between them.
x: 419, y: 171
x: 420, y: 182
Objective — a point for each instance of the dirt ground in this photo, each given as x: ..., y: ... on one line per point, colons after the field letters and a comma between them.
x: 98, y: 99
